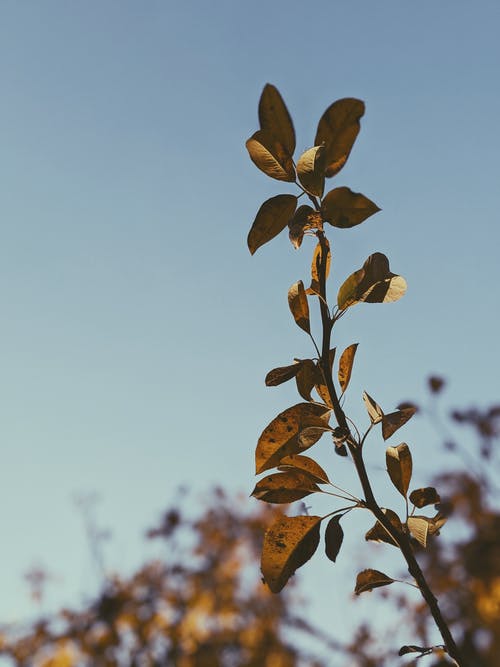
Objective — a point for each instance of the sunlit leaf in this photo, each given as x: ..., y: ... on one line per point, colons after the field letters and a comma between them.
x: 394, y: 420
x: 343, y: 208
x: 270, y: 156
x: 305, y: 218
x: 306, y: 465
x: 315, y: 267
x: 284, y: 487
x: 373, y: 408
x: 345, y: 365
x: 334, y: 536
x: 311, y: 170
x: 379, y: 534
x: 272, y: 217
x: 425, y: 496
x: 423, y: 526
x: 373, y: 283
x: 306, y: 378
x: 275, y: 118
x: 297, y: 300
x: 310, y: 435
x: 282, y: 374
x: 369, y: 579
x: 337, y: 130
x: 280, y: 437
x: 399, y: 466
x: 288, y: 544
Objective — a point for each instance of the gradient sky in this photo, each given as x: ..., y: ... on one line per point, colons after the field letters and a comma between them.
x: 136, y: 327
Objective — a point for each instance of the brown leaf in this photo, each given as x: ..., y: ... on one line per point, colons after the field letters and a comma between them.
x: 334, y: 536
x: 280, y: 437
x: 337, y: 129
x: 306, y: 378
x: 315, y: 267
x: 345, y: 365
x: 270, y: 156
x: 343, y: 208
x: 369, y: 579
x: 394, y: 420
x: 373, y: 408
x: 310, y: 436
x: 288, y: 544
x: 311, y: 170
x: 423, y: 526
x: 284, y: 487
x: 379, y: 534
x: 425, y: 496
x: 373, y: 283
x: 275, y: 118
x: 282, y: 374
x: 305, y: 218
x: 272, y: 217
x: 297, y: 300
x: 306, y: 465
x: 399, y: 467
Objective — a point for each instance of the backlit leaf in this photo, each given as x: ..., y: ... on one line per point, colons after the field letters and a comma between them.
x: 343, y: 208
x: 305, y: 218
x: 270, y: 156
x: 315, y: 267
x: 373, y: 283
x: 288, y: 544
x: 423, y: 526
x: 297, y: 300
x: 306, y: 378
x: 337, y: 130
x: 425, y: 496
x: 373, y: 408
x: 334, y: 536
x: 272, y: 217
x: 284, y: 487
x: 306, y: 465
x: 310, y: 436
x: 399, y: 466
x: 275, y: 118
x: 280, y: 437
x: 394, y: 420
x: 379, y: 534
x: 345, y: 365
x: 282, y: 374
x: 369, y: 579
x: 311, y: 170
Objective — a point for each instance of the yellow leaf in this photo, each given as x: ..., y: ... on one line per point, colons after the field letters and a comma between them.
x: 288, y: 544
x: 275, y: 118
x: 419, y: 528
x: 310, y: 435
x: 272, y: 217
x: 270, y: 156
x: 394, y: 420
x: 343, y: 208
x: 374, y: 410
x: 337, y: 130
x: 297, y: 300
x: 280, y: 437
x: 370, y: 579
x: 311, y: 170
x: 373, y: 283
x: 306, y: 378
x: 282, y: 374
x: 284, y: 487
x: 379, y: 534
x: 305, y: 464
x: 315, y: 267
x: 345, y: 365
x: 399, y: 466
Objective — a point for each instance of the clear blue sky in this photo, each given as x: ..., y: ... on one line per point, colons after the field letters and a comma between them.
x: 136, y: 328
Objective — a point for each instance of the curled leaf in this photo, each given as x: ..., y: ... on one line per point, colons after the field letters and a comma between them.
x: 306, y: 378
x: 310, y: 435
x: 288, y: 544
x: 270, y: 156
x: 343, y: 208
x: 394, y: 420
x: 423, y: 526
x: 399, y: 467
x: 334, y: 536
x: 338, y: 128
x: 272, y: 217
x: 373, y: 408
x: 305, y: 465
x: 316, y: 267
x: 345, y: 365
x: 282, y: 374
x: 280, y: 437
x: 425, y: 496
x: 284, y: 487
x: 369, y: 579
x: 297, y: 300
x: 311, y: 170
x: 305, y: 218
x: 275, y: 118
x: 373, y: 283
x: 379, y: 534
